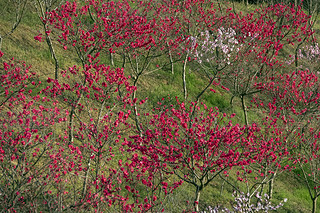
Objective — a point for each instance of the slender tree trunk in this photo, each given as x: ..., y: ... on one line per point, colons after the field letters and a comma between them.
x: 42, y: 9
x: 171, y: 61
x: 85, y: 181
x: 261, y: 190
x: 222, y: 186
x: 0, y: 42
x: 197, y: 198
x: 73, y: 110
x: 184, y: 77
x: 136, y: 114
x: 314, y: 204
x: 271, y: 184
x: 53, y: 55
x: 71, y: 126
x: 244, y: 109
x: 231, y: 101
x: 111, y: 59
x: 123, y: 60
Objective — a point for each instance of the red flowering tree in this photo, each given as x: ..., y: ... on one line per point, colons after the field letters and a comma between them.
x: 272, y: 157
x: 140, y: 36
x: 195, y: 146
x: 288, y: 104
x: 302, y: 95
x: 26, y: 136
x: 97, y: 95
x: 292, y: 101
x: 307, y: 161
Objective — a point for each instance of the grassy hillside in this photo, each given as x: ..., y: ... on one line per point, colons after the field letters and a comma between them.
x: 155, y: 86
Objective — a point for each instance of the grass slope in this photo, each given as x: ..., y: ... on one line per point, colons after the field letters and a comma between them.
x: 22, y: 46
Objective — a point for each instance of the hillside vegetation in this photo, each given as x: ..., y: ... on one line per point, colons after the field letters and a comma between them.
x: 159, y: 106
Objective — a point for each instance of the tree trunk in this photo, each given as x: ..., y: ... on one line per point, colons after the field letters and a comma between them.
x: 271, y: 184
x: 184, y: 77
x: 244, y: 109
x: 134, y: 95
x: 123, y: 60
x: 42, y: 9
x: 171, y: 60
x: 314, y: 204
x: 85, y: 181
x: 111, y: 59
x: 72, y: 113
x: 197, y: 198
x: 0, y: 42
x: 261, y: 190
x: 53, y: 54
x: 222, y: 185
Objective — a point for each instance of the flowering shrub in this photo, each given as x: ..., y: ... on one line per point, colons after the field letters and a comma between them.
x: 216, y: 48
x: 310, y: 52
x: 243, y: 204
x: 308, y: 57
x: 263, y: 203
